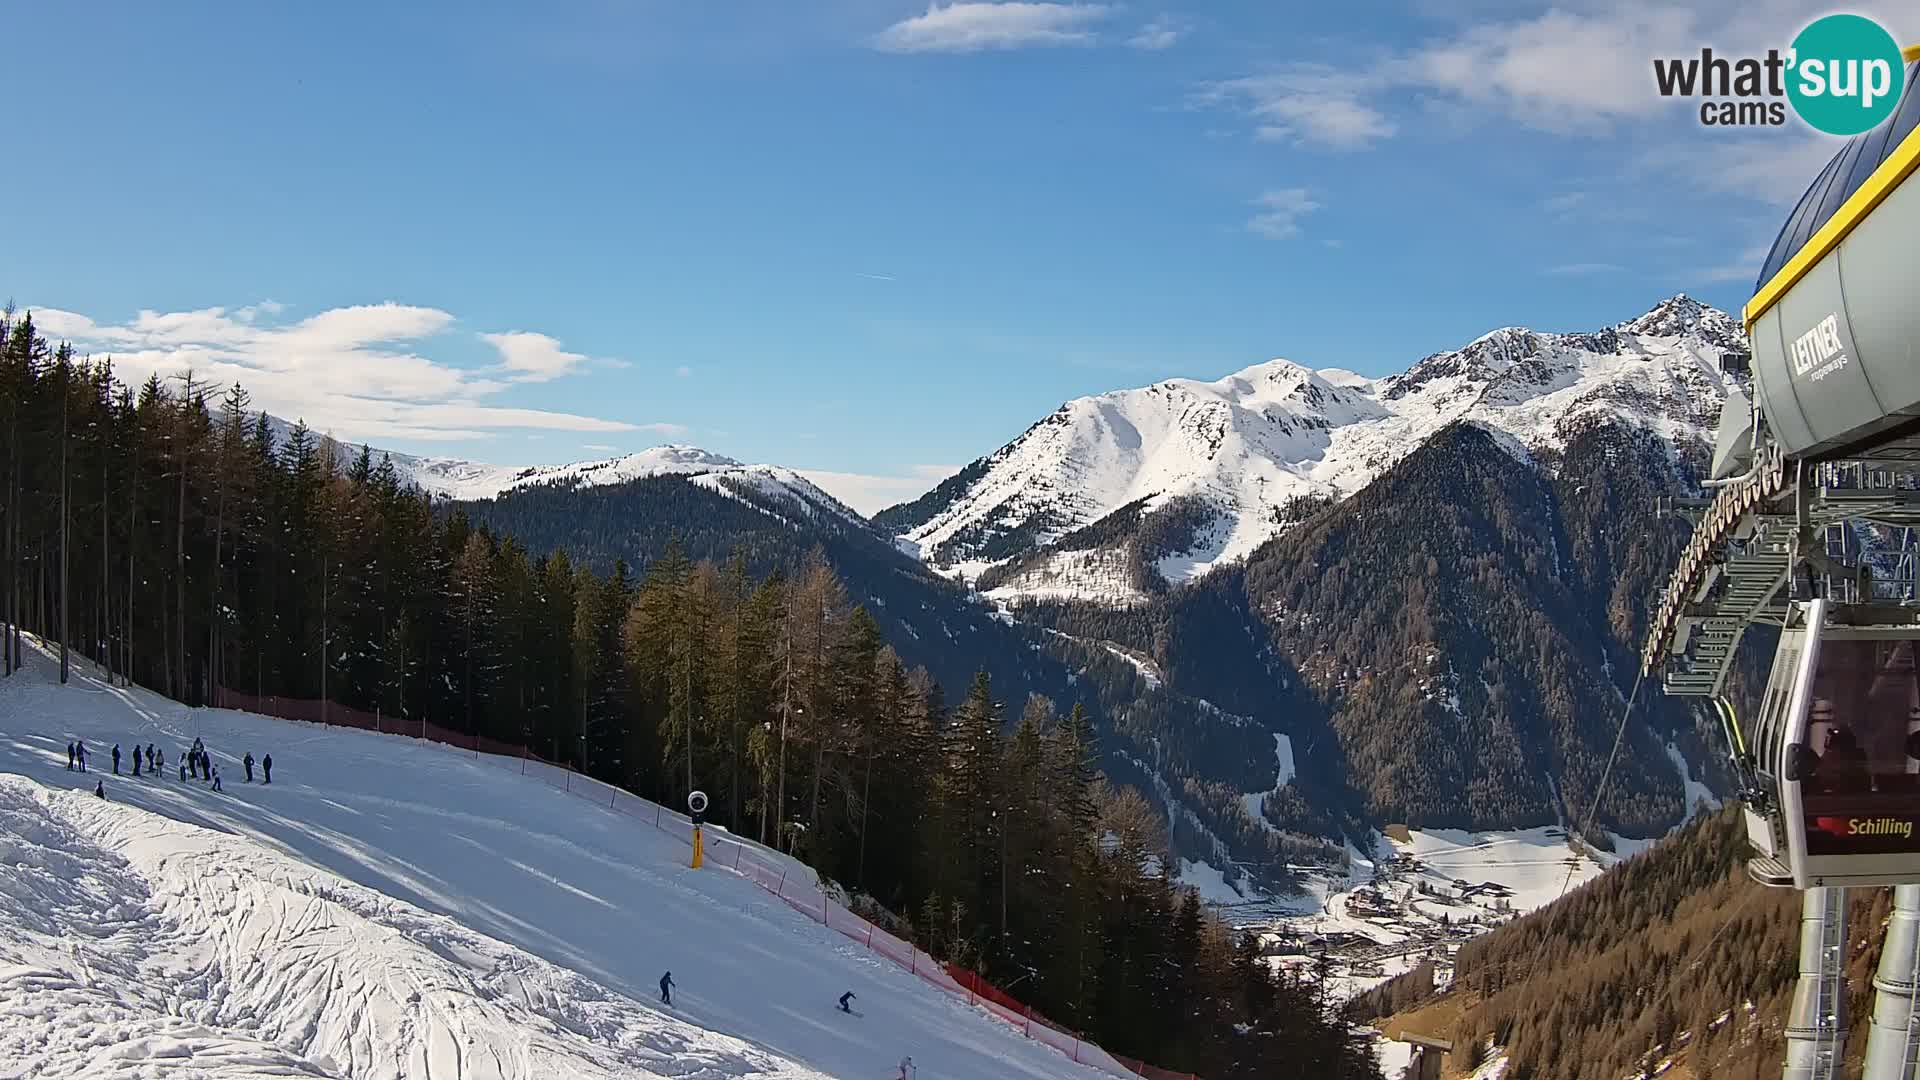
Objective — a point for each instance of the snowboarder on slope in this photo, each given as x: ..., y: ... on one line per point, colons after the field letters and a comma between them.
x: 266, y: 767
x: 844, y: 998
x: 100, y: 789
x: 69, y: 757
x: 666, y: 985
x: 116, y: 759
x: 248, y: 762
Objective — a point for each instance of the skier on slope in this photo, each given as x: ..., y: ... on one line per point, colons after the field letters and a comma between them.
x: 69, y: 757
x: 152, y: 759
x: 666, y: 988
x: 80, y: 752
x: 846, y: 997
x: 160, y: 760
x: 183, y: 768
x: 136, y: 761
x: 906, y: 1068
x: 215, y: 773
x: 266, y: 767
x: 248, y: 762
x: 116, y: 759
x: 100, y: 789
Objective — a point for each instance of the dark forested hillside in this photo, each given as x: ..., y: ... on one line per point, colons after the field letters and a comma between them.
x: 167, y: 537
x: 1453, y: 645
x: 1675, y: 950
x: 1195, y: 757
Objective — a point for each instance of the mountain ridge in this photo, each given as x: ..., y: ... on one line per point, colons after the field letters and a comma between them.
x: 1250, y: 446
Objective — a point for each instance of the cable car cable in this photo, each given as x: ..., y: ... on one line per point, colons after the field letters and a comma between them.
x: 1606, y: 774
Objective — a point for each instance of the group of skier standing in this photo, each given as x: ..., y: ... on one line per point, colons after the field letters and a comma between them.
x: 194, y: 762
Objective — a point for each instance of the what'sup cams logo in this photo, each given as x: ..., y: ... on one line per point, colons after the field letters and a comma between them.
x: 1843, y: 75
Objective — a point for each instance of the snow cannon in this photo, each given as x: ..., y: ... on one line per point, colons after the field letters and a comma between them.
x: 697, y: 815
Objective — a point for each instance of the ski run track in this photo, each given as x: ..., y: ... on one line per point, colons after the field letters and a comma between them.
x: 394, y: 909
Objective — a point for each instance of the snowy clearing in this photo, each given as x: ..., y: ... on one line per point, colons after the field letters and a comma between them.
x: 518, y: 868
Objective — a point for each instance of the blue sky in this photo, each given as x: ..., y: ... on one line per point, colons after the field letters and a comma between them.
x: 868, y: 238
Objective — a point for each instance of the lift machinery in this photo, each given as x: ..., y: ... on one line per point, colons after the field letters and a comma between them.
x: 1813, y: 528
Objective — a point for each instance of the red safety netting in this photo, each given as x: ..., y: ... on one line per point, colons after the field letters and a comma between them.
x: 778, y: 874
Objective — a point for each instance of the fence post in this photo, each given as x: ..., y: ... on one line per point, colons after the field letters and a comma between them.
x: 913, y: 959
x: 738, y: 850
x: 657, y: 811
x: 783, y: 884
x: 376, y: 719
x: 523, y: 761
x: 1029, y: 1021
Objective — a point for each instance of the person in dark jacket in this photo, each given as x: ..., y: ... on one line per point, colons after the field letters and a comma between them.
x: 666, y: 988
x: 152, y: 759
x: 116, y: 759
x: 136, y: 761
x: 69, y: 757
x: 160, y: 760
x: 248, y: 762
x: 183, y: 768
x: 80, y: 754
x: 844, y: 998
x: 100, y: 788
x: 266, y: 769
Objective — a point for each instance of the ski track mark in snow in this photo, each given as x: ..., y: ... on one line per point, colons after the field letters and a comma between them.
x: 398, y: 910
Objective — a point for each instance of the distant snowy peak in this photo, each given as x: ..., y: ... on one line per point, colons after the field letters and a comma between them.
x: 1252, y: 445
x: 461, y: 480
x: 467, y: 480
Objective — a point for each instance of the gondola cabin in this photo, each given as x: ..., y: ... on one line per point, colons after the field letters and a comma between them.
x: 1836, y: 749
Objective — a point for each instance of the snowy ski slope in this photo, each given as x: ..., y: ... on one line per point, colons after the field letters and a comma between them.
x: 307, y: 940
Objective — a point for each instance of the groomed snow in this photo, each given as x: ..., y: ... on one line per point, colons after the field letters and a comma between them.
x: 135, y: 945
x: 385, y: 833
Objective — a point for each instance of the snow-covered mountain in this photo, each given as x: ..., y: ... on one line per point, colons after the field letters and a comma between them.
x: 1053, y: 512
x: 459, y: 479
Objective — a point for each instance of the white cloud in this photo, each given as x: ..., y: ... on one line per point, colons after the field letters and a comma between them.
x: 1744, y: 267
x: 1772, y: 167
x: 870, y: 493
x: 1280, y: 213
x: 600, y: 448
x: 683, y: 371
x: 1162, y: 33
x: 358, y: 372
x: 1308, y: 103
x: 1575, y: 69
x: 534, y: 357
x: 1584, y: 269
x: 974, y: 26
x: 1565, y: 203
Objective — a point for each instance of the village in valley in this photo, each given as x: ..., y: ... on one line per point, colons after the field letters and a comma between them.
x: 1415, y: 898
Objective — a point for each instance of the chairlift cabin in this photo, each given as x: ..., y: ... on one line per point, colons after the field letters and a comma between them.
x: 1836, y: 750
